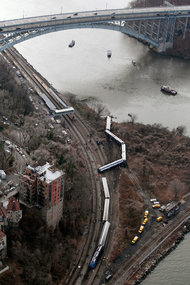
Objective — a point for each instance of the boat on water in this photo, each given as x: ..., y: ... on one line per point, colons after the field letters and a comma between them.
x: 72, y: 43
x: 168, y: 90
x: 109, y: 53
x: 134, y: 63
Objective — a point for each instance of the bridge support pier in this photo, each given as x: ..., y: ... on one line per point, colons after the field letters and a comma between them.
x: 164, y: 46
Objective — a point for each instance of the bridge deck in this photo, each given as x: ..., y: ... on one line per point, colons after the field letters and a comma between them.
x: 117, y: 14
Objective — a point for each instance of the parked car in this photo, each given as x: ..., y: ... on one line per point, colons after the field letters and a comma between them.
x: 108, y: 275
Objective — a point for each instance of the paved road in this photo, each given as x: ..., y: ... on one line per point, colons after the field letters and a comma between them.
x: 89, y: 16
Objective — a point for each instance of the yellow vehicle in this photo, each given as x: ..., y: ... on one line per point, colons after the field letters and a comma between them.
x: 146, y: 214
x: 159, y: 219
x: 135, y: 239
x: 156, y: 206
x: 141, y: 229
x: 145, y: 221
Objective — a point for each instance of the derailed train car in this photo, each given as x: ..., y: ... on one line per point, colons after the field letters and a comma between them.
x: 108, y: 123
x: 123, y: 151
x: 68, y: 110
x: 118, y: 140
x: 119, y: 162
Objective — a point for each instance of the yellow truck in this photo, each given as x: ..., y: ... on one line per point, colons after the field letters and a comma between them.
x: 145, y: 221
x: 156, y: 206
x: 135, y: 239
x: 146, y: 214
x: 141, y: 229
x: 159, y: 219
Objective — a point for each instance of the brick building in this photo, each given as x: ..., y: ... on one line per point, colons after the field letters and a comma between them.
x: 14, y: 214
x: 43, y: 186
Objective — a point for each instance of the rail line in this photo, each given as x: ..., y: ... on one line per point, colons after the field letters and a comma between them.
x: 93, y: 158
x: 133, y: 264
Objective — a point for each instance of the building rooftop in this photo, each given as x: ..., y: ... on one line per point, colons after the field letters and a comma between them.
x: 47, y: 174
x: 13, y: 205
x: 41, y: 169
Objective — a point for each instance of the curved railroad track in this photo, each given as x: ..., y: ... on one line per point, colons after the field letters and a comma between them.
x: 94, y: 158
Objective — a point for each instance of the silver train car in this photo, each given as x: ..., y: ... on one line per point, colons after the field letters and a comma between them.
x: 104, y: 233
x: 106, y: 210
x: 108, y: 123
x: 123, y: 151
x: 105, y: 187
x: 68, y: 110
x: 100, y: 246
x: 118, y: 140
x: 111, y: 165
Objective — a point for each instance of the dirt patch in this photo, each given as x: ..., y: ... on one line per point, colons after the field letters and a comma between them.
x: 130, y: 210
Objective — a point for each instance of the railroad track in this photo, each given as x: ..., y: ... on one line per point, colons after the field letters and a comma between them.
x: 93, y: 159
x: 132, y: 265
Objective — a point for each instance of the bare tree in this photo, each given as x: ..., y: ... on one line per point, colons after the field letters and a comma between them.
x: 176, y: 187
x: 181, y: 130
x: 133, y: 118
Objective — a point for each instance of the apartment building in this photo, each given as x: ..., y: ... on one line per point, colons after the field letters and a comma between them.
x: 43, y: 186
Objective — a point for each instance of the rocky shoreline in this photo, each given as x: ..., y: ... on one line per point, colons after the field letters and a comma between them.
x: 160, y: 254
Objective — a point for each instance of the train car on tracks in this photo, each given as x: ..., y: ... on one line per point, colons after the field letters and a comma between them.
x: 106, y: 210
x: 96, y: 256
x: 104, y: 233
x: 100, y: 246
x: 105, y: 187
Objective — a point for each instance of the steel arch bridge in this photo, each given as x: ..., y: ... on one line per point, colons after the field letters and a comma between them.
x: 154, y: 26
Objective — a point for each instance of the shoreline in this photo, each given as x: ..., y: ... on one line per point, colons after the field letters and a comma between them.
x: 160, y: 254
x: 151, y: 263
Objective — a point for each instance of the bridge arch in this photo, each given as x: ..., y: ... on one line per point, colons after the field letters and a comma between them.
x: 24, y: 35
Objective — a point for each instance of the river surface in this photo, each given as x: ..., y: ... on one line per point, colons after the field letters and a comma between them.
x: 123, y: 88
x: 174, y: 269
x: 86, y: 71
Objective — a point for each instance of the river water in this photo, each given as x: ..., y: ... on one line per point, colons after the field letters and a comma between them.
x: 86, y: 71
x: 123, y: 88
x: 174, y: 269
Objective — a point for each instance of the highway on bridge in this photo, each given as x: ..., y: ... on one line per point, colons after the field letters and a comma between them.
x: 155, y: 26
x: 91, y: 16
